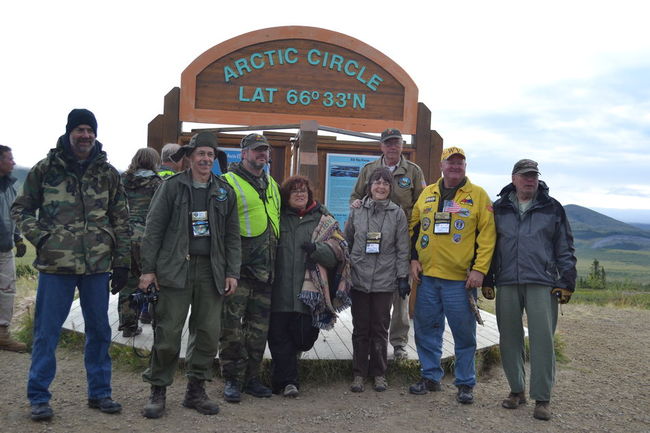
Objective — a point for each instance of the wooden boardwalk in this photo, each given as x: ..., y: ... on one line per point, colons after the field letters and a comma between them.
x: 335, y: 344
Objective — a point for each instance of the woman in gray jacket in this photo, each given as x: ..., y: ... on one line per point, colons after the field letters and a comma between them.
x: 377, y: 235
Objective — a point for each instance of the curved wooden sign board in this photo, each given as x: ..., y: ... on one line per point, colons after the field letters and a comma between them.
x: 287, y: 74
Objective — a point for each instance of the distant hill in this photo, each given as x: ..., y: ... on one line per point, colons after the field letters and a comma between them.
x: 595, y: 230
x: 642, y: 226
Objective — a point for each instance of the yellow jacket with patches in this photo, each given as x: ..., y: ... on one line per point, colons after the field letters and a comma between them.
x: 471, y: 240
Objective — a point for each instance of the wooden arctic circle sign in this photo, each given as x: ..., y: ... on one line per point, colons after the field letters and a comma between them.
x: 289, y: 74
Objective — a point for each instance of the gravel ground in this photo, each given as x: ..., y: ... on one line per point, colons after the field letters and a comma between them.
x: 604, y: 387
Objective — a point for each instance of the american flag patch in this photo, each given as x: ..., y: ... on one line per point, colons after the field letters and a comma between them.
x: 451, y: 206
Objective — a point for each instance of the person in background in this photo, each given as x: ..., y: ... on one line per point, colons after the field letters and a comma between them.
x: 140, y: 182
x: 9, y: 237
x: 453, y: 236
x: 291, y: 328
x: 73, y: 209
x: 534, y: 268
x: 407, y: 184
x: 377, y: 236
x: 169, y: 167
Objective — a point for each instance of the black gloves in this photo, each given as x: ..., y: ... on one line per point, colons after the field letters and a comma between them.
x: 308, y: 247
x: 118, y: 279
x: 403, y: 287
x: 21, y: 248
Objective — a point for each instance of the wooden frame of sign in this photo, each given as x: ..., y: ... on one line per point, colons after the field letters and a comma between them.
x: 288, y: 74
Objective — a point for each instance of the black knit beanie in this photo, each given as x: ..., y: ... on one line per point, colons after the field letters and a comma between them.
x: 80, y: 116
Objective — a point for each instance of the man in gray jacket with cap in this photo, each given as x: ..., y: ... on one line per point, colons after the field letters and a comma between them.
x: 534, y: 267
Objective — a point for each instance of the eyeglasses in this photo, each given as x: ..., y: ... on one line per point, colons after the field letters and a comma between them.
x: 299, y: 191
x: 381, y: 183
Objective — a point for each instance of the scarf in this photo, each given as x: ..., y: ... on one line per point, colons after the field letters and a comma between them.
x: 324, y: 294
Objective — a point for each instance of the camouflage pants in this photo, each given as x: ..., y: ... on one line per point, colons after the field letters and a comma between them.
x: 128, y: 317
x: 244, y: 329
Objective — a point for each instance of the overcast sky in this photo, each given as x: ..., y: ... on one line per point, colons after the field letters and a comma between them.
x: 566, y: 83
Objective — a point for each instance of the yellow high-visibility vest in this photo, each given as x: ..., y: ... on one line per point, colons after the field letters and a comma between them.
x: 253, y: 212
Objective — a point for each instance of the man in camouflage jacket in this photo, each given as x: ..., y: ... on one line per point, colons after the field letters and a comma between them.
x: 73, y: 210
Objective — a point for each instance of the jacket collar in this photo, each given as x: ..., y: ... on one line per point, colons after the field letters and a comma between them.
x: 541, y: 198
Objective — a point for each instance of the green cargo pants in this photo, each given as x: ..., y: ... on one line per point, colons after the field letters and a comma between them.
x: 245, y: 328
x: 541, y: 311
x: 204, y: 326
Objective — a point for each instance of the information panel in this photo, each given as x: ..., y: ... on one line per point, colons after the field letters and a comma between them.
x: 342, y: 171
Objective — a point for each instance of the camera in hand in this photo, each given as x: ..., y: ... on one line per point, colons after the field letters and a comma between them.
x: 139, y: 298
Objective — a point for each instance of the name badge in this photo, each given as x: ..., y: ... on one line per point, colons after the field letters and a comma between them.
x: 442, y: 223
x: 200, y: 224
x: 373, y: 239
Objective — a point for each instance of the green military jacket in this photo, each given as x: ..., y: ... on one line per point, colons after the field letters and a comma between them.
x: 165, y: 245
x: 82, y: 224
x: 408, y: 183
x: 290, y: 259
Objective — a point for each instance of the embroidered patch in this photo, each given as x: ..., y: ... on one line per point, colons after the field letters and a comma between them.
x: 464, y: 212
x: 456, y: 238
x: 426, y: 222
x: 431, y: 199
x: 467, y: 201
x: 490, y: 208
x: 404, y: 182
x: 424, y: 241
x: 459, y: 224
x: 222, y: 194
x: 426, y: 210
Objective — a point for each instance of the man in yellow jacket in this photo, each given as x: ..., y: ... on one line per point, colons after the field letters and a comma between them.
x: 453, y: 237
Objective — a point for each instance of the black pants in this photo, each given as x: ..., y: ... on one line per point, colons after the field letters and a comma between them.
x: 289, y: 334
x: 370, y: 321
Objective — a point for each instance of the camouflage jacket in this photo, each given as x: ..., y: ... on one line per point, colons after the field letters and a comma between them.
x: 82, y: 223
x: 140, y: 187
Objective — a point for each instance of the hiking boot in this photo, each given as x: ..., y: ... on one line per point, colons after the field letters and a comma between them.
x: 106, y: 405
x: 231, y: 392
x: 255, y: 388
x: 8, y: 343
x: 196, y: 398
x: 41, y: 412
x: 399, y: 353
x: 131, y: 332
x: 290, y: 391
x: 542, y: 410
x: 514, y: 400
x: 380, y: 384
x: 357, y: 384
x: 156, y: 405
x: 465, y: 395
x: 145, y: 317
x: 424, y: 386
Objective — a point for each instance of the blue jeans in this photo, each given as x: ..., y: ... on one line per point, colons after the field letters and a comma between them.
x: 53, y: 300
x: 435, y: 299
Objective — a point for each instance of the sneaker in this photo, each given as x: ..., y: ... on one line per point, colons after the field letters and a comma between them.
x: 357, y: 384
x: 231, y: 392
x: 514, y: 400
x: 380, y: 384
x: 131, y: 332
x: 255, y: 388
x: 399, y: 353
x: 106, y: 405
x: 290, y: 391
x: 465, y: 395
x: 542, y: 410
x: 41, y: 412
x: 424, y: 386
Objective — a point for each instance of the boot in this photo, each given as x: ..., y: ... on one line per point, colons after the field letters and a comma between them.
x: 8, y: 343
x: 196, y: 398
x: 156, y: 405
